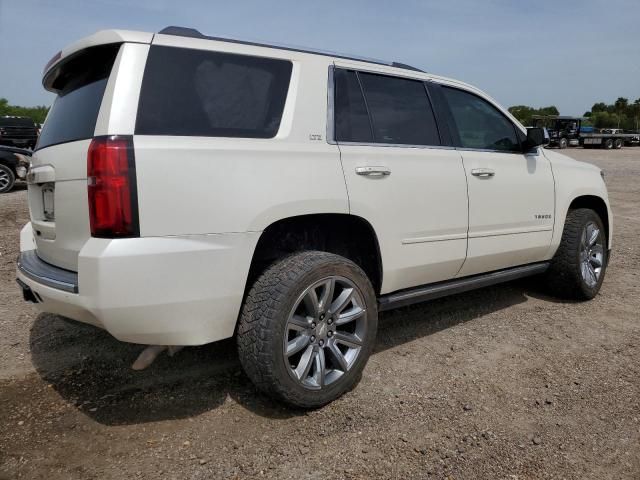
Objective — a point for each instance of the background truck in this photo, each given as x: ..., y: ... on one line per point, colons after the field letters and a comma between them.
x: 18, y: 132
x: 566, y: 131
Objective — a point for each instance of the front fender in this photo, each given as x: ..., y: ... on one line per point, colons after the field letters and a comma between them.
x: 575, y: 180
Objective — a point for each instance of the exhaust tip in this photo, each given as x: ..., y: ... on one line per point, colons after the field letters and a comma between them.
x: 28, y: 294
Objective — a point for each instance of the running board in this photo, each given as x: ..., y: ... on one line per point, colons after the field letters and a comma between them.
x: 458, y: 285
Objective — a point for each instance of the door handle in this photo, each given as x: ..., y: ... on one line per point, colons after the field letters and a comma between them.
x: 483, y: 172
x: 373, y: 171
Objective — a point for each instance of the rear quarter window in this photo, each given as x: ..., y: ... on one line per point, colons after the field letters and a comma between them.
x: 211, y: 94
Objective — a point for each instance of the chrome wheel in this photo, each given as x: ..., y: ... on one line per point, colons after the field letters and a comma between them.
x: 5, y: 180
x: 325, y: 332
x: 591, y: 254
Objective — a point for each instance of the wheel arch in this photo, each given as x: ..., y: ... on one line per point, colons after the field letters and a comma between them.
x: 598, y: 205
x: 344, y: 234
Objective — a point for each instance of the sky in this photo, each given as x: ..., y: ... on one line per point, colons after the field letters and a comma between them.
x: 567, y: 53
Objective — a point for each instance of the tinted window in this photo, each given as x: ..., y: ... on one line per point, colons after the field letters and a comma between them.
x: 480, y: 125
x: 80, y: 83
x: 400, y: 110
x: 351, y: 118
x: 211, y: 94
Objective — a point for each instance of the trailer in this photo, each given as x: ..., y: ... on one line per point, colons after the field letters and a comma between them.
x: 602, y: 139
x: 567, y: 131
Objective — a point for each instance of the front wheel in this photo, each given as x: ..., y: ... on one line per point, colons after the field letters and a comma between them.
x: 578, y: 267
x: 307, y: 328
x: 562, y: 143
x: 7, y: 179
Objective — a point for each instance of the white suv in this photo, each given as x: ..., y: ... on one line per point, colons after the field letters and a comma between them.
x: 186, y: 189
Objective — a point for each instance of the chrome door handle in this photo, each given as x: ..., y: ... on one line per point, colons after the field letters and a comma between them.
x: 373, y: 171
x: 483, y: 172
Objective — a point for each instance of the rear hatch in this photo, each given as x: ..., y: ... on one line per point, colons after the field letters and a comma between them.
x: 58, y: 178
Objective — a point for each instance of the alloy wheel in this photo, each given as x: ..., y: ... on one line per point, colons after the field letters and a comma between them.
x: 4, y: 180
x: 591, y: 254
x: 325, y: 332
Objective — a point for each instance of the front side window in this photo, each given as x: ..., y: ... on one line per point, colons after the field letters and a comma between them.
x: 480, y: 125
x: 211, y: 94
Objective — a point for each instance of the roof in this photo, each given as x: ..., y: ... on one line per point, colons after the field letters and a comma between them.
x: 193, y: 33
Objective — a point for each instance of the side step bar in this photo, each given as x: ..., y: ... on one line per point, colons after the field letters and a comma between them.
x: 458, y: 285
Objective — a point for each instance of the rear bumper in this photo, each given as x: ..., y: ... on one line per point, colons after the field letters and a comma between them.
x: 31, y: 266
x: 183, y: 290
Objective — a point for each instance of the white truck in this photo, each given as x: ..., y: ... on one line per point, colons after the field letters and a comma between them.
x: 186, y: 189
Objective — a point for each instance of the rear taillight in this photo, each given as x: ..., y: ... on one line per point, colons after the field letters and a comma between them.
x: 113, y: 198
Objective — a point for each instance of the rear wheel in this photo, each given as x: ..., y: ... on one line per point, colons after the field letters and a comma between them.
x: 7, y: 179
x: 617, y: 143
x: 307, y: 328
x: 578, y: 267
x: 608, y: 143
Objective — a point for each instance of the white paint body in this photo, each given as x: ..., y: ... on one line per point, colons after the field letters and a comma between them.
x: 203, y: 203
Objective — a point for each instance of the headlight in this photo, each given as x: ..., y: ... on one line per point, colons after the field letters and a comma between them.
x: 21, y: 172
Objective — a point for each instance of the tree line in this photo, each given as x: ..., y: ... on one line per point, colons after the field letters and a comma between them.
x: 37, y: 114
x: 620, y: 114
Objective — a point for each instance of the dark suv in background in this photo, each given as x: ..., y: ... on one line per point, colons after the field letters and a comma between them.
x: 18, y: 132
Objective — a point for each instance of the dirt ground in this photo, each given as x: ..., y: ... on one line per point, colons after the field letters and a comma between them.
x: 503, y: 383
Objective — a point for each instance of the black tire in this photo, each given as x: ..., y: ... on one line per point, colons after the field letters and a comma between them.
x: 262, y: 326
x: 608, y: 144
x: 562, y: 143
x: 7, y: 179
x: 564, y: 277
x: 617, y: 144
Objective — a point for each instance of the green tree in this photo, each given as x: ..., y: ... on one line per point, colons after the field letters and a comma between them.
x: 525, y: 113
x: 37, y: 114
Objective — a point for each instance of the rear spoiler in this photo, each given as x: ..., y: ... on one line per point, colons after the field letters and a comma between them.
x: 103, y: 37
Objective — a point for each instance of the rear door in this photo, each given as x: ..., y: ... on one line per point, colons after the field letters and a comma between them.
x: 511, y: 192
x: 58, y: 199
x: 401, y: 176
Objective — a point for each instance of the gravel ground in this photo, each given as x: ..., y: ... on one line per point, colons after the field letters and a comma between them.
x: 504, y: 382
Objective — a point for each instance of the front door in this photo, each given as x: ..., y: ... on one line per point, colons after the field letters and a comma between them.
x: 511, y: 192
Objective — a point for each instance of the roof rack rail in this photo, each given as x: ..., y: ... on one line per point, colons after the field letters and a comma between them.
x: 193, y: 33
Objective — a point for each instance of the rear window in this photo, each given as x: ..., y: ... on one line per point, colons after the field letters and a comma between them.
x: 80, y: 83
x: 400, y: 110
x: 352, y: 119
x: 211, y: 94
x: 383, y: 109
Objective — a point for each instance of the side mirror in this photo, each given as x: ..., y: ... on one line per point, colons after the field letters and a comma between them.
x: 536, y: 136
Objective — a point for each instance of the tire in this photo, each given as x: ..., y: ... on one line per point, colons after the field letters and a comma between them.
x: 608, y: 144
x: 278, y: 305
x: 562, y: 143
x: 568, y: 275
x: 7, y: 179
x: 617, y: 144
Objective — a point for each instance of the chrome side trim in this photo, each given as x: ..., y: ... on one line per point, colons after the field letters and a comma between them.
x: 511, y: 231
x: 434, y: 238
x: 330, y: 107
x: 395, y: 145
x: 458, y: 285
x: 31, y: 266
